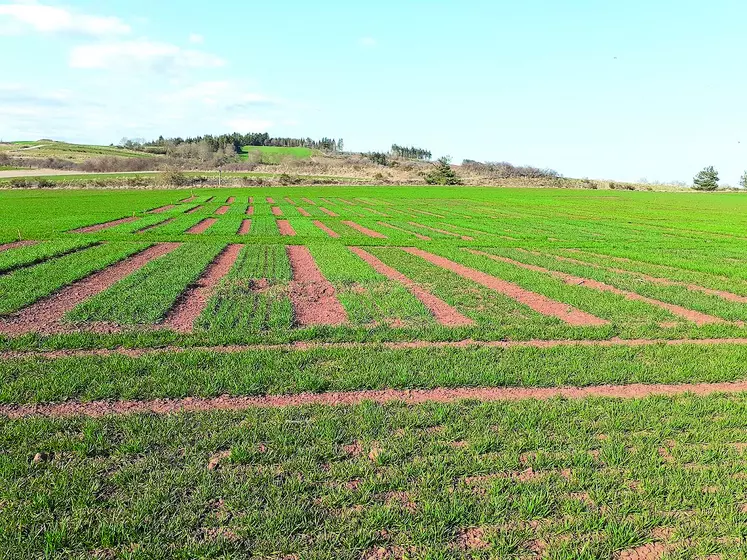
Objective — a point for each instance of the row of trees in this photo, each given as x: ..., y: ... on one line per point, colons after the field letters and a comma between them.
x: 410, y: 152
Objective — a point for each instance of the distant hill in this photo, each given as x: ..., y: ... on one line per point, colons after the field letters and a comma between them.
x: 64, y: 150
x: 274, y: 154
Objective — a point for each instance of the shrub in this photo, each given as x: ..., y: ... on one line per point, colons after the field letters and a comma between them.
x: 378, y: 158
x: 706, y: 180
x: 285, y: 179
x: 173, y: 177
x: 442, y: 174
x: 743, y: 181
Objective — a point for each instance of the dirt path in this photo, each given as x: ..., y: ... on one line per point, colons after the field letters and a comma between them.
x: 246, y: 226
x: 313, y: 296
x: 45, y: 315
x: 444, y: 313
x: 162, y: 209
x: 276, y: 211
x: 309, y: 201
x: 106, y: 225
x: 191, y: 304
x: 410, y: 397
x: 364, y: 230
x: 202, y: 227
x: 303, y: 212
x: 250, y: 211
x: 222, y: 210
x: 537, y: 302
x: 696, y: 317
x: 328, y: 212
x: 329, y: 231
x: 230, y: 200
x: 285, y: 228
x: 17, y: 244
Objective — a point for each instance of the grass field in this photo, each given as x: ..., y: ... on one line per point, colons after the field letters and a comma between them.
x: 273, y: 154
x: 372, y: 372
x: 64, y: 150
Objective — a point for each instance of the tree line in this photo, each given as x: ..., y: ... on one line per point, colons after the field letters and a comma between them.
x: 233, y: 142
x: 410, y: 152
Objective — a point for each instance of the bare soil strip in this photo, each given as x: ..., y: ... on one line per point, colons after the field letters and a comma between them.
x: 188, y: 199
x: 194, y: 210
x: 309, y: 201
x: 313, y: 296
x: 250, y: 211
x: 193, y: 301
x: 45, y: 315
x: 443, y: 231
x: 376, y: 212
x: 17, y: 244
x: 251, y: 200
x: 105, y: 225
x: 246, y: 226
x: 688, y: 314
x: 537, y: 302
x: 328, y: 212
x: 270, y: 200
x: 348, y: 398
x: 444, y: 313
x: 328, y: 201
x: 303, y: 212
x: 418, y: 235
x: 202, y: 227
x: 327, y: 230
x: 365, y: 230
x: 154, y: 226
x: 162, y: 209
x: 230, y: 200
x: 276, y: 211
x: 289, y: 200
x: 222, y: 210
x: 403, y: 345
x: 658, y: 280
x: 285, y: 228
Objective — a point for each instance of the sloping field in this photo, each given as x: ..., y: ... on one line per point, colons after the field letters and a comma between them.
x: 372, y: 373
x: 273, y: 154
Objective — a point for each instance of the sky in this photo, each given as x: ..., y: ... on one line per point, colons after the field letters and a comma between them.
x: 622, y: 90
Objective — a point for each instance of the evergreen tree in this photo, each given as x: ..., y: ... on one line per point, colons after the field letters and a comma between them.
x: 706, y: 180
x: 442, y: 174
x: 743, y: 181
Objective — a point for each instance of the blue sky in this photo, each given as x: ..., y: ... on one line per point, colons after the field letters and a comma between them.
x: 592, y: 88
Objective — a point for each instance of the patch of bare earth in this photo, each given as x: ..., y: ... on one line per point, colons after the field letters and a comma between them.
x: 312, y: 295
x: 328, y: 212
x: 246, y: 226
x: 412, y: 397
x: 690, y: 315
x: 418, y: 235
x: 444, y: 313
x: 650, y: 551
x: 289, y: 200
x: 105, y: 225
x: 162, y: 209
x: 303, y: 212
x: 329, y: 231
x: 276, y: 211
x: 45, y: 315
x: 193, y: 301
x: 188, y: 199
x: 16, y: 245
x: 230, y: 200
x: 222, y: 210
x: 364, y: 230
x: 202, y: 227
x: 537, y: 302
x: 270, y: 200
x: 443, y: 231
x: 309, y: 201
x: 250, y: 211
x: 285, y: 228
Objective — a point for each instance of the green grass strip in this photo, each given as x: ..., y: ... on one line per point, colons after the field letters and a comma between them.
x: 33, y: 254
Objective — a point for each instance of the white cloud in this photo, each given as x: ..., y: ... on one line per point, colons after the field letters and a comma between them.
x: 51, y: 19
x: 196, y: 39
x: 249, y: 125
x: 141, y: 53
x: 368, y: 42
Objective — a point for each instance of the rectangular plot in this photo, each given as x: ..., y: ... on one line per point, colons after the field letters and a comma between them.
x: 146, y: 296
x: 313, y: 296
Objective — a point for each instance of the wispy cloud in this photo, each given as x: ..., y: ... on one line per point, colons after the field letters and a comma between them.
x: 141, y: 53
x: 19, y: 17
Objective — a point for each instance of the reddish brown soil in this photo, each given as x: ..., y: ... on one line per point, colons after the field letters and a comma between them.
x: 222, y: 210
x: 202, y: 227
x: 230, y: 200
x: 303, y: 212
x: 443, y: 231
x: 276, y: 211
x: 188, y: 199
x: 105, y: 225
x: 329, y: 231
x: 347, y: 201
x: 309, y: 201
x: 695, y: 316
x: 313, y: 296
x: 289, y: 201
x: 194, y: 210
x: 246, y: 226
x: 407, y: 396
x: 285, y: 228
x: 442, y: 311
x: 651, y: 551
x: 45, y: 315
x: 251, y: 200
x: 364, y: 230
x: 414, y: 344
x: 376, y: 212
x: 154, y: 226
x: 270, y: 200
x: 17, y: 244
x: 193, y: 301
x: 328, y: 212
x: 162, y: 209
x: 250, y: 211
x: 537, y: 302
x: 418, y: 235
